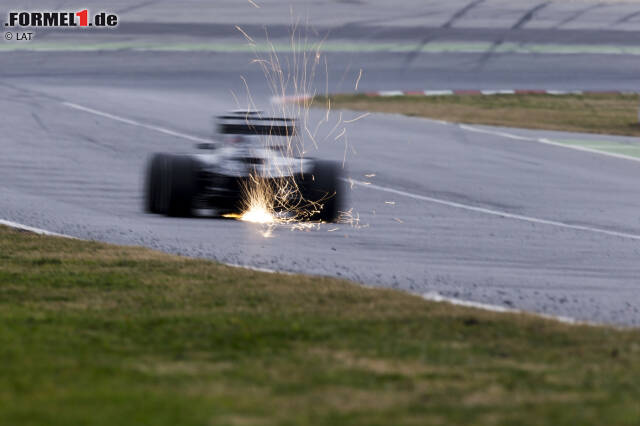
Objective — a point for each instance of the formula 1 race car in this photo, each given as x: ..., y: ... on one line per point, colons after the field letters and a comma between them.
x: 219, y: 177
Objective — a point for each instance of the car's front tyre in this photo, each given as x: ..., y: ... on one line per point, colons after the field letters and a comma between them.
x: 170, y: 185
x: 153, y: 183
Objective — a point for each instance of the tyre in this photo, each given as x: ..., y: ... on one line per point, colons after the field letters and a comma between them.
x: 325, y: 190
x: 180, y: 185
x: 152, y: 185
x: 170, y: 185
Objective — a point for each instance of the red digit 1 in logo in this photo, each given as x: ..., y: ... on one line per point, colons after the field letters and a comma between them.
x: 84, y: 17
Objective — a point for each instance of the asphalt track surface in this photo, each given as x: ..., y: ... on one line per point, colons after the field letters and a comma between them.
x: 477, y: 213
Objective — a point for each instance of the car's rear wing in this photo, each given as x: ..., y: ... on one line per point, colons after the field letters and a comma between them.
x: 253, y: 123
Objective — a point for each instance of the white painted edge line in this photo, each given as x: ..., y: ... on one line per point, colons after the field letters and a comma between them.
x: 257, y: 268
x: 495, y: 133
x: 547, y: 142
x: 34, y: 230
x: 494, y: 212
x: 585, y: 149
x: 252, y: 268
x: 434, y: 296
x: 136, y: 123
x: 40, y: 231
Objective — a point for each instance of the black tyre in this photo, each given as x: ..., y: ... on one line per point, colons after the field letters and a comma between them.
x: 170, y: 185
x: 325, y: 190
x: 152, y: 185
x: 180, y: 185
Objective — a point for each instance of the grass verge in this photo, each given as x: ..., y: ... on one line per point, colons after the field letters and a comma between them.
x: 98, y: 334
x: 615, y: 114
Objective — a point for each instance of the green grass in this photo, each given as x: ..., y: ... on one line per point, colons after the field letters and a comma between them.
x: 98, y: 334
x: 615, y: 114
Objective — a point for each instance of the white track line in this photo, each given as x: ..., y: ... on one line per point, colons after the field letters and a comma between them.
x: 547, y: 142
x: 434, y: 296
x: 494, y: 212
x: 257, y: 268
x: 408, y: 194
x: 38, y: 231
x: 136, y: 123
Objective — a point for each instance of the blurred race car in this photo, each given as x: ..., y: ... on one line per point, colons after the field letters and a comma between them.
x: 217, y: 177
